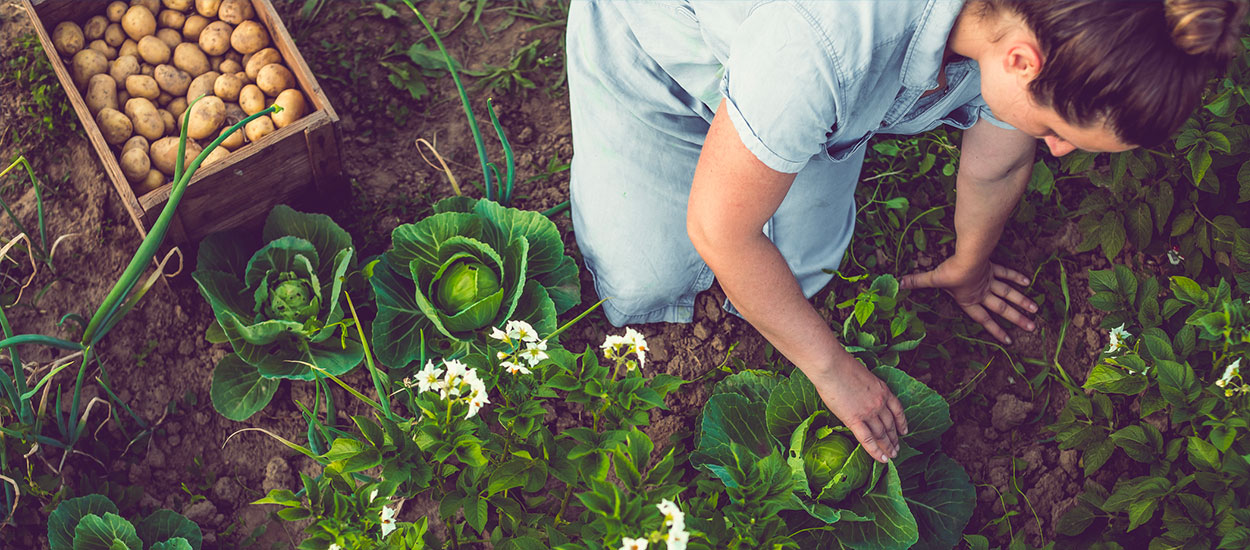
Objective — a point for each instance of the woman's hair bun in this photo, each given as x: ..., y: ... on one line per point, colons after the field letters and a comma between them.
x: 1207, y: 27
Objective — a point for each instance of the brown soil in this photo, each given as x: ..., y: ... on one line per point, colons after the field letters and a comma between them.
x: 160, y: 363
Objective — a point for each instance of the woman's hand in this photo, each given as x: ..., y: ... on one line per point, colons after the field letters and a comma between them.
x: 980, y: 288
x: 865, y: 405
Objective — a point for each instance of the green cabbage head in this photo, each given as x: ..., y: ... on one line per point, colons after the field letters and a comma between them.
x: 833, y: 469
x: 276, y: 298
x: 470, y: 266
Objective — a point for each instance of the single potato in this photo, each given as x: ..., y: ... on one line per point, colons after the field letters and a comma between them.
x: 190, y: 58
x: 202, y: 85
x: 93, y: 29
x: 171, y: 125
x: 249, y: 37
x: 177, y: 107
x: 229, y: 66
x: 227, y: 87
x: 235, y: 11
x: 193, y: 27
x: 68, y: 38
x: 180, y: 5
x: 146, y: 69
x: 152, y: 5
x: 215, y: 38
x: 172, y: 80
x: 164, y: 154
x: 147, y: 122
x: 258, y: 128
x: 217, y: 155
x: 135, y: 164
x: 207, y: 8
x: 123, y: 67
x: 164, y: 99
x: 170, y: 37
x: 128, y: 47
x: 293, y: 108
x: 154, y: 50
x: 116, y: 10
x: 207, y: 115
x: 251, y: 99
x: 252, y: 64
x: 136, y: 141
x: 234, y: 141
x: 273, y: 78
x: 101, y: 93
x: 122, y: 96
x: 171, y: 19
x: 114, y: 125
x: 109, y: 52
x: 150, y: 183
x: 114, y: 35
x: 86, y: 64
x: 144, y: 86
x: 138, y: 22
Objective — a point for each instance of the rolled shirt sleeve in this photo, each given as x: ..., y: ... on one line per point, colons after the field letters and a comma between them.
x: 780, y: 88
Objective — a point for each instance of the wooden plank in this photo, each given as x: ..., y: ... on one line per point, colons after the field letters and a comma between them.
x: 62, y: 10
x: 323, y: 157
x: 286, y: 46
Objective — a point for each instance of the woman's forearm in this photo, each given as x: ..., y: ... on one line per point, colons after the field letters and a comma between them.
x: 994, y: 171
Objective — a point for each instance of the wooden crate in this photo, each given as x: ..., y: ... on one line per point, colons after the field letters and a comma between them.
x: 292, y: 164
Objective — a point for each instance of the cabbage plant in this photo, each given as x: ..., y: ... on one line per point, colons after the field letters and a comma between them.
x: 921, y: 499
x: 92, y: 523
x: 470, y: 266
x: 276, y: 299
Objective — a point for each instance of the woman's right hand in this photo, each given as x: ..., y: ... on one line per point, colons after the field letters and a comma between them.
x: 864, y: 404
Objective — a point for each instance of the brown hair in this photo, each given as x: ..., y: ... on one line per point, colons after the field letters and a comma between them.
x: 1139, y: 66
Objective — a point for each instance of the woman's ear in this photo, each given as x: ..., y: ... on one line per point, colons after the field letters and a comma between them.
x: 1023, y: 60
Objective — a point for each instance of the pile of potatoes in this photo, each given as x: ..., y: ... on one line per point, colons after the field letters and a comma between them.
x: 141, y: 63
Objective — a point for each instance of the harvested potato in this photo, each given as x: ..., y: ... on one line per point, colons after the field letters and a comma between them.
x: 171, y: 19
x: 135, y: 164
x: 122, y: 96
x: 114, y: 35
x: 229, y: 66
x: 251, y: 99
x: 172, y: 80
x: 152, y: 5
x: 110, y: 53
x: 180, y: 5
x: 256, y: 61
x: 138, y: 22
x: 258, y: 128
x: 154, y: 50
x: 171, y: 125
x: 68, y: 38
x: 227, y: 87
x: 93, y: 29
x: 170, y: 37
x: 114, y: 125
x: 216, y: 156
x: 207, y: 115
x: 164, y: 154
x: 123, y: 67
x: 154, y: 180
x: 235, y: 11
x: 148, y: 70
x: 234, y: 141
x: 147, y: 122
x: 293, y: 108
x: 136, y: 141
x: 116, y: 10
x: 202, y: 85
x: 242, y: 76
x: 128, y: 47
x: 249, y: 37
x: 207, y: 8
x: 86, y: 64
x: 273, y: 78
x: 234, y: 114
x: 214, y: 61
x: 235, y: 56
x: 177, y: 107
x: 193, y: 27
x: 101, y: 93
x: 188, y: 57
x: 215, y: 38
x: 164, y: 98
x: 142, y: 86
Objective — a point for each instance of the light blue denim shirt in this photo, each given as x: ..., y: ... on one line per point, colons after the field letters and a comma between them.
x: 808, y: 79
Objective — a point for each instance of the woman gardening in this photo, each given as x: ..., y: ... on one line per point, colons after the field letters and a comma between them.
x: 724, y: 139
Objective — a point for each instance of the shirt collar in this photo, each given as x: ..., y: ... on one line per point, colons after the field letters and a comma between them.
x: 923, y: 59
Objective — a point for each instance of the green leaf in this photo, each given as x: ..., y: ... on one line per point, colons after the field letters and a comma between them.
x: 326, y: 237
x: 927, y: 413
x: 893, y: 528
x: 1111, y: 235
x: 384, y: 10
x: 399, y: 326
x: 511, y: 474
x: 176, y: 543
x: 238, y: 391
x: 1188, y: 291
x: 728, y: 419
x: 1199, y: 161
x: 167, y: 524
x: 1042, y: 180
x: 1203, y: 454
x: 1183, y: 223
x: 1097, y: 455
x: 65, y: 518
x: 107, y: 532
x: 1104, y: 280
x: 1137, y: 444
x: 942, y: 498
x: 1159, y: 348
x: 1076, y: 520
x: 1108, y: 379
x: 1177, y: 382
x: 790, y: 403
x: 1140, y: 225
x: 1243, y: 179
x: 475, y: 512
x: 1140, y: 512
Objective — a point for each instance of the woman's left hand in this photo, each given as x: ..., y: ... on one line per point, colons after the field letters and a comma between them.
x: 980, y: 288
